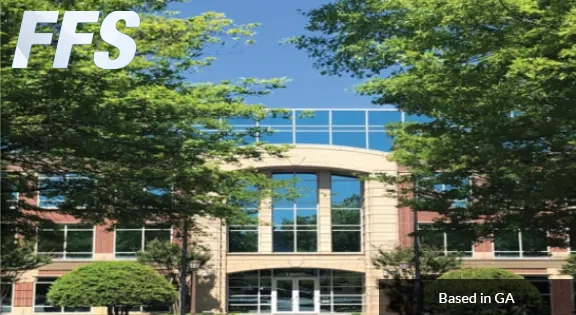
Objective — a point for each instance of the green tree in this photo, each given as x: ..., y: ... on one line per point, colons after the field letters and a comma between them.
x: 167, y: 256
x: 144, y: 141
x: 118, y: 285
x: 467, y: 66
x: 570, y: 267
x: 489, y: 282
x: 397, y: 284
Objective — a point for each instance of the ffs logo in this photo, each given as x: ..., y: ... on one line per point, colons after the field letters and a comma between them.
x: 69, y: 37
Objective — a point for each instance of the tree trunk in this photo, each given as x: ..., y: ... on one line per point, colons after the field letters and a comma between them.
x: 110, y: 310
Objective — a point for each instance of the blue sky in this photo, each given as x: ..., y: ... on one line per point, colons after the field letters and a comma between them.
x: 268, y: 59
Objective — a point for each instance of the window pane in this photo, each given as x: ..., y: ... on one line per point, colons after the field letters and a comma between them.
x: 346, y: 192
x: 345, y: 217
x: 319, y: 117
x: 243, y: 308
x: 417, y: 118
x: 306, y: 241
x: 41, y: 304
x: 279, y: 137
x: 306, y: 187
x: 163, y: 236
x: 349, y: 139
x: 459, y: 242
x: 348, y: 117
x: 306, y: 217
x: 283, y: 217
x: 430, y: 237
x: 51, y: 241
x: 128, y: 241
x: 309, y: 137
x: 380, y: 141
x: 243, y: 241
x: 346, y: 241
x: 283, y: 241
x: 79, y: 244
x: 381, y: 118
x: 6, y: 291
x: 534, y: 243
x: 506, y: 244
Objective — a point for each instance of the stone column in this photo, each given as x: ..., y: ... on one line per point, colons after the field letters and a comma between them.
x: 324, y: 213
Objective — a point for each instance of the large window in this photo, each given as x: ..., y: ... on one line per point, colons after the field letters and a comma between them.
x: 6, y: 291
x: 68, y: 241
x: 250, y: 292
x: 295, y: 224
x: 448, y: 243
x: 572, y: 242
x: 41, y: 304
x: 346, y: 216
x: 341, y: 291
x: 52, y: 188
x: 521, y: 244
x: 132, y: 239
x: 243, y: 235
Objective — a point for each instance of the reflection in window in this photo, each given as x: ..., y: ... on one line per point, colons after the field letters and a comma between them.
x: 295, y: 221
x: 243, y: 236
x: 41, y: 305
x: 314, y: 118
x: 379, y: 141
x: 50, y: 194
x: 341, y: 291
x: 346, y: 215
x: 447, y: 243
x: 349, y: 118
x: 69, y: 241
x: 6, y: 290
x: 312, y: 137
x: 250, y: 292
x: 521, y: 244
x: 378, y: 119
x: 542, y: 283
x: 278, y: 137
x: 417, y: 118
x: 131, y: 239
x: 350, y: 139
x: 10, y: 187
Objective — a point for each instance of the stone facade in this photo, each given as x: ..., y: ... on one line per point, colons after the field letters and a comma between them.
x: 384, y: 225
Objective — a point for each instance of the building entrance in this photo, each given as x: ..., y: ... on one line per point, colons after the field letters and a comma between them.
x: 295, y: 295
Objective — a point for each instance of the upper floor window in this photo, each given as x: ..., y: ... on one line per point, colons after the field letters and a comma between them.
x: 446, y: 188
x: 295, y: 222
x: 572, y: 241
x: 67, y: 241
x: 446, y: 242
x: 41, y: 305
x: 10, y: 187
x: 131, y: 239
x: 243, y: 236
x: 52, y: 187
x: 6, y: 290
x: 346, y: 214
x: 531, y: 243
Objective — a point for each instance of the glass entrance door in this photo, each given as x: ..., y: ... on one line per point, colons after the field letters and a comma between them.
x: 295, y: 295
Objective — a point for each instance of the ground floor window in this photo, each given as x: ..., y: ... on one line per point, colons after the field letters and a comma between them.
x: 6, y: 291
x: 295, y: 290
x: 132, y: 239
x: 152, y: 308
x: 542, y: 283
x: 41, y: 305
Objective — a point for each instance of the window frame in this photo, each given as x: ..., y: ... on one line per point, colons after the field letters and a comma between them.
x: 549, y: 295
x: 445, y: 250
x: 520, y: 251
x: 64, y: 177
x: 294, y: 209
x: 62, y: 311
x: 143, y: 230
x: 334, y: 227
x: 64, y: 252
x: 243, y: 228
x: 12, y: 290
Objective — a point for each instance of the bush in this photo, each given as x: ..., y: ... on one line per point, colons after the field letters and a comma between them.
x: 117, y: 285
x: 570, y: 267
x: 487, y: 282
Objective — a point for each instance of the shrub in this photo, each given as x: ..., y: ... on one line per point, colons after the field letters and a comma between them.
x: 117, y: 285
x: 487, y: 282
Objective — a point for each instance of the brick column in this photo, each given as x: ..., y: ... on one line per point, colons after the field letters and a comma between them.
x: 561, y: 287
x: 104, y: 242
x: 324, y: 213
